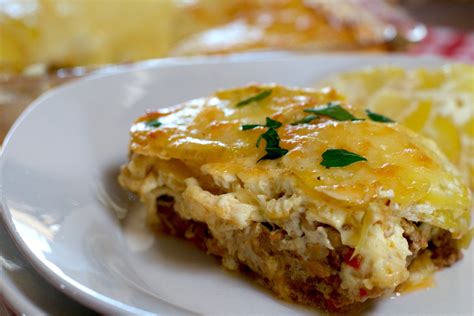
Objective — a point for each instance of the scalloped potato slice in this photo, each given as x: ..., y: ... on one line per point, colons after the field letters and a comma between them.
x: 438, y: 103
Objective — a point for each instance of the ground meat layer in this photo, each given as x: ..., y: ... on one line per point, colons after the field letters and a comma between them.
x: 312, y: 279
x: 422, y: 237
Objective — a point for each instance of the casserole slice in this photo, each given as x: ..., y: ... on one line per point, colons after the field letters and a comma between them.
x: 322, y: 207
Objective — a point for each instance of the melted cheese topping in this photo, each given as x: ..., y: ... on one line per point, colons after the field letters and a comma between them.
x: 210, y: 165
x: 206, y: 134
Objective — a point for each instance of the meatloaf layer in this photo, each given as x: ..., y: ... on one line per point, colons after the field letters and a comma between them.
x: 311, y: 277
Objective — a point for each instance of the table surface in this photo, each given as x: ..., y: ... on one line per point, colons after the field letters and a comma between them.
x: 458, y: 14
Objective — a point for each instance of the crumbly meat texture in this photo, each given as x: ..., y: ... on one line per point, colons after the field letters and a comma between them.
x: 310, y: 277
x: 326, y: 237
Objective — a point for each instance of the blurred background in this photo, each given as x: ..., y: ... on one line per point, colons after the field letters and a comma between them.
x: 66, y: 33
x: 44, y: 43
x: 39, y: 35
x: 454, y: 13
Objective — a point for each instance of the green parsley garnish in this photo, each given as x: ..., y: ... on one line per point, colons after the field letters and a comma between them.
x: 260, y: 96
x: 305, y: 120
x: 269, y: 123
x: 272, y: 123
x: 153, y: 123
x: 333, y: 110
x: 250, y: 126
x: 339, y: 158
x: 259, y: 139
x: 272, y: 147
x: 378, y: 117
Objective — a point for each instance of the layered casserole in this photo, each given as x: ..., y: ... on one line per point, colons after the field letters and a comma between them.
x: 322, y: 205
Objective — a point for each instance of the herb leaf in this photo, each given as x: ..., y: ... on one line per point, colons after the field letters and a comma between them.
x: 153, y: 123
x: 274, y: 153
x: 272, y: 147
x: 250, y: 126
x: 333, y: 110
x: 272, y: 123
x: 259, y: 139
x: 378, y: 117
x: 260, y: 96
x: 305, y: 120
x: 339, y: 158
x: 269, y: 123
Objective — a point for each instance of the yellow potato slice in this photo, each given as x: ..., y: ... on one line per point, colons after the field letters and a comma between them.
x: 438, y: 103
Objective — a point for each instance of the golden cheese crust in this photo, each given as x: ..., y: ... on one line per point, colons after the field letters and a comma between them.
x: 199, y: 154
x: 206, y: 134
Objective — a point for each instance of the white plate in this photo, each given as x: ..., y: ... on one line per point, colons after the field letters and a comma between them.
x: 24, y: 291
x: 58, y: 176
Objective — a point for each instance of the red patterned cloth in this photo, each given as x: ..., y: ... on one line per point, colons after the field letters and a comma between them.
x: 447, y: 42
